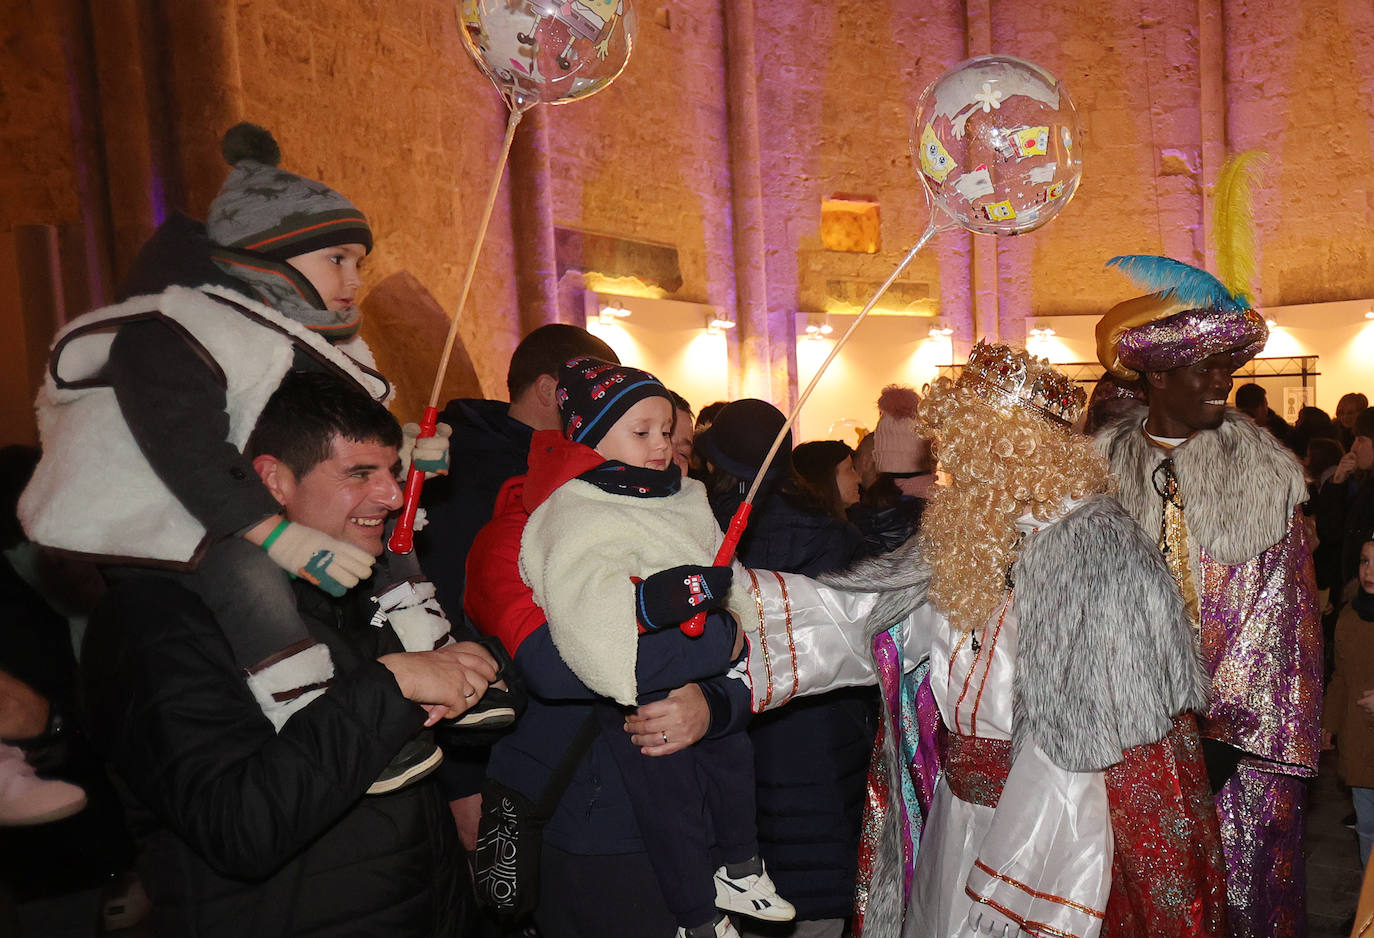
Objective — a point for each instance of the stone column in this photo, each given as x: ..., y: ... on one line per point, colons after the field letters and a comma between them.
x: 760, y: 374
x: 531, y: 196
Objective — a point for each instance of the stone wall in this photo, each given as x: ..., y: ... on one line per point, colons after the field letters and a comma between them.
x: 732, y: 124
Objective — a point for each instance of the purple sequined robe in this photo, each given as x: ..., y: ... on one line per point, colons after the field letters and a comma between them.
x: 1260, y: 640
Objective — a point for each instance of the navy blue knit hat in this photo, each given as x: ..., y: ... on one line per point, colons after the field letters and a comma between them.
x: 739, y: 437
x: 593, y: 394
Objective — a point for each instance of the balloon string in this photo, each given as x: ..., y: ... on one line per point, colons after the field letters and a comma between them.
x: 515, y: 115
x: 930, y: 231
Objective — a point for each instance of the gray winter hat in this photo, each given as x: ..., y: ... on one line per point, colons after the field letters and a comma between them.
x: 278, y: 214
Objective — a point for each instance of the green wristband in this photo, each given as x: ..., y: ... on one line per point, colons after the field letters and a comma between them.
x: 276, y: 533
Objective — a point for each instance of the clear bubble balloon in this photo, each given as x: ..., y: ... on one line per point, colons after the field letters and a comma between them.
x: 998, y: 146
x: 548, y: 51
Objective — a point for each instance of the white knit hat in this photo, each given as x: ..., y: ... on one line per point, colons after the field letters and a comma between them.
x: 896, y: 447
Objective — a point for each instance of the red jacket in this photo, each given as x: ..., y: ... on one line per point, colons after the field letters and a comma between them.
x: 497, y: 599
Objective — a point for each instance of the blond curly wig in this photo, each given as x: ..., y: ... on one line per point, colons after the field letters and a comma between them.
x: 998, y: 462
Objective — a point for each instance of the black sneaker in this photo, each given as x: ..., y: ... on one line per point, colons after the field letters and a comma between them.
x: 494, y: 710
x: 417, y: 758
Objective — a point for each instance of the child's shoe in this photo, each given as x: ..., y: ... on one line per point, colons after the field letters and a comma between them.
x: 753, y: 895
x: 26, y: 799
x: 416, y: 759
x: 720, y: 928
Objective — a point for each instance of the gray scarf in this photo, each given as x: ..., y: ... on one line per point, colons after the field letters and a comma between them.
x: 286, y: 290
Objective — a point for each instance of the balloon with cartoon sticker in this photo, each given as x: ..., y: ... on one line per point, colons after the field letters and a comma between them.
x: 548, y: 51
x: 996, y: 142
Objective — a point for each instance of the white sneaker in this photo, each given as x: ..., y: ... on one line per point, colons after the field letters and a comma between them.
x: 754, y: 896
x: 26, y: 799
x: 724, y: 929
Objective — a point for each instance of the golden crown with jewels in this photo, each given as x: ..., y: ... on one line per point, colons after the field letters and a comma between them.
x: 1001, y: 374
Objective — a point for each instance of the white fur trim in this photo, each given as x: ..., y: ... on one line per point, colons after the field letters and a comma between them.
x: 578, y: 552
x: 312, y: 665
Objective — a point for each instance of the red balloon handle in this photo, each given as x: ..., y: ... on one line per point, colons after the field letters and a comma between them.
x: 403, y: 537
x: 697, y: 624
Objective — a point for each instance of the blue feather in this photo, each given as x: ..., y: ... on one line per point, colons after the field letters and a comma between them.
x: 1190, y: 285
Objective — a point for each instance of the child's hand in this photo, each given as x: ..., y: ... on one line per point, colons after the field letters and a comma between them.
x: 1328, y: 741
x: 1366, y: 702
x: 331, y: 564
x: 429, y: 454
x: 672, y: 596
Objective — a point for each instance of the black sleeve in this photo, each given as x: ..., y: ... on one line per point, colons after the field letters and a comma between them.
x: 174, y: 403
x: 181, y: 729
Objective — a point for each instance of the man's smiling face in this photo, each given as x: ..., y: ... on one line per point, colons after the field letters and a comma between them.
x: 1190, y: 398
x: 348, y: 495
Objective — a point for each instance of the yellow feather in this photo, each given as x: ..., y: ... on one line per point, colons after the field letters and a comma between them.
x: 1234, y: 224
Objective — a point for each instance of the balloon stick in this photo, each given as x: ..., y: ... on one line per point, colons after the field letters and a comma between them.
x: 740, y: 520
x: 402, y: 537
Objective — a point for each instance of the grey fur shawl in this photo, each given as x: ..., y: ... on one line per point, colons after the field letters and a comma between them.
x: 1106, y: 653
x: 1239, y: 485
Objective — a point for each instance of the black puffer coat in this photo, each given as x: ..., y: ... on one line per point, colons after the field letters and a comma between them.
x: 811, y: 756
x: 249, y: 832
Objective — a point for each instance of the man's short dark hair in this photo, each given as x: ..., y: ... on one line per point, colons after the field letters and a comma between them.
x: 308, y: 410
x: 544, y: 349
x: 1250, y: 396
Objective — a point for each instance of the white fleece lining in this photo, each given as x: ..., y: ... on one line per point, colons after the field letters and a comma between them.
x: 578, y: 552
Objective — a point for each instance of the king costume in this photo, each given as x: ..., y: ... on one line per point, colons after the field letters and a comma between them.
x: 1039, y: 768
x: 1222, y: 505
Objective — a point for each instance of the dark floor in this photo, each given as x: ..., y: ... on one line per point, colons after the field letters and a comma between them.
x: 1333, y: 880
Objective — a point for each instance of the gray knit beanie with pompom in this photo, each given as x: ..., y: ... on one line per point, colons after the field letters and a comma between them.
x: 266, y: 210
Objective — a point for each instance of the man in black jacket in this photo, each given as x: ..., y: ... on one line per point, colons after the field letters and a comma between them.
x: 490, y: 443
x: 249, y: 831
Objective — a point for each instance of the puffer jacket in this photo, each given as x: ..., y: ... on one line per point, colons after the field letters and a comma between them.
x: 250, y: 832
x: 811, y: 756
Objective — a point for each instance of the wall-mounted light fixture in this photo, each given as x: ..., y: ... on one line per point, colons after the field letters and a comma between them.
x: 1040, y: 333
x: 938, y: 331
x: 717, y: 324
x: 611, y: 312
x: 1369, y: 315
x: 1270, y: 321
x: 817, y: 328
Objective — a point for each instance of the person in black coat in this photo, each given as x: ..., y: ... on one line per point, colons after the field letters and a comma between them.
x: 250, y: 831
x: 490, y: 443
x: 810, y: 757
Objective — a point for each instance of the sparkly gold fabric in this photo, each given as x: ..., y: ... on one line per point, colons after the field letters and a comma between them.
x: 1173, y: 542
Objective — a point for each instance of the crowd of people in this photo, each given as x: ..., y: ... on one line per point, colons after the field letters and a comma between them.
x: 1014, y: 662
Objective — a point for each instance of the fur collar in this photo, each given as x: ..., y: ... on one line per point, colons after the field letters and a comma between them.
x: 1238, y: 484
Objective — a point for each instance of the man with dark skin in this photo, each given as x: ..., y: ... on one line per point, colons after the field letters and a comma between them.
x: 1221, y: 497
x: 1191, y: 398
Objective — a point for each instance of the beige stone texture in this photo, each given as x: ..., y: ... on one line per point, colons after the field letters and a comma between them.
x: 732, y: 124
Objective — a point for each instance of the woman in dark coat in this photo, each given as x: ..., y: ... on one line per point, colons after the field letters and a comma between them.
x: 810, y: 757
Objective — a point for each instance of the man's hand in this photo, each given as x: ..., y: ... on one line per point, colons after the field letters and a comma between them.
x: 446, y: 681
x: 671, y: 724
x: 331, y: 564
